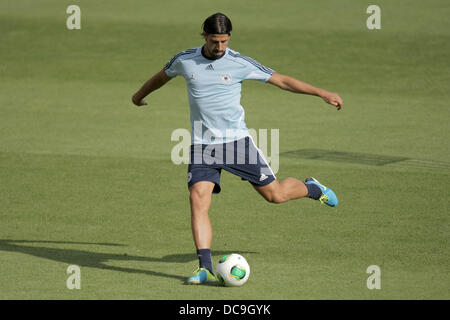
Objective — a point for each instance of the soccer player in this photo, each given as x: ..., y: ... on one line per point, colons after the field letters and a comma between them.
x: 220, y: 139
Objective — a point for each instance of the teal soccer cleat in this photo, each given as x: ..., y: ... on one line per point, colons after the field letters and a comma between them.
x: 201, y: 275
x: 328, y: 197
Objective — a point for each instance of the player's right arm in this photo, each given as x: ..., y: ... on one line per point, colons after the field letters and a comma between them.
x: 155, y: 82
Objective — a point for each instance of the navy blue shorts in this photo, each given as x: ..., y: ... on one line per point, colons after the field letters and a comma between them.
x: 241, y: 157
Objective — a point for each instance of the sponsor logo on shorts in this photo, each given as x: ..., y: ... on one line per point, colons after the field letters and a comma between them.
x: 236, y: 152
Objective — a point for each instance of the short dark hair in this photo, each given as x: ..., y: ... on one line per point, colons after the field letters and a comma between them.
x: 217, y: 23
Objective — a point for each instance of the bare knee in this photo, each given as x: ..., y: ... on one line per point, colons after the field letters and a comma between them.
x: 272, y: 192
x: 275, y: 196
x: 197, y: 195
x: 200, y: 194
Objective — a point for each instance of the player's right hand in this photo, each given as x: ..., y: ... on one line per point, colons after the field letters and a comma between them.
x: 138, y: 102
x: 142, y: 103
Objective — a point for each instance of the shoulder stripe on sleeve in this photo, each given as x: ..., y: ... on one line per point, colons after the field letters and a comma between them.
x: 179, y: 54
x: 253, y: 62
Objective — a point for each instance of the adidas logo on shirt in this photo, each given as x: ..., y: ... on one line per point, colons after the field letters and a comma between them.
x: 209, y: 67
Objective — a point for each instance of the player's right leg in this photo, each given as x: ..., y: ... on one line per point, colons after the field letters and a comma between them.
x: 200, y: 200
x: 203, y: 181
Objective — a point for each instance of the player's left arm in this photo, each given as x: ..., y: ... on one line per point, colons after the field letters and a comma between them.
x: 294, y: 85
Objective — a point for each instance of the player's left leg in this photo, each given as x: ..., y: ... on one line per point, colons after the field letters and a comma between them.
x: 263, y: 179
x: 282, y: 191
x: 292, y: 188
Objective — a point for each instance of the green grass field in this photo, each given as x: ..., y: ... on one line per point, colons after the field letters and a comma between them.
x: 86, y: 178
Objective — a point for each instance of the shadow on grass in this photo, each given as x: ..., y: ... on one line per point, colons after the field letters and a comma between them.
x: 83, y: 258
x: 366, y: 159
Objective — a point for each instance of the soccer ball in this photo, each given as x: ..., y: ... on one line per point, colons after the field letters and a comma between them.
x: 232, y: 270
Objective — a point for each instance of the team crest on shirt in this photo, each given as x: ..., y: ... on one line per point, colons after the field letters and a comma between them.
x: 225, y: 78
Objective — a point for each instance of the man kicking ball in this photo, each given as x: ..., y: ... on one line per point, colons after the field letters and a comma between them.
x: 220, y: 138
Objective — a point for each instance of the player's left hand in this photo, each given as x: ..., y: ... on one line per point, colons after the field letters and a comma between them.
x: 334, y: 99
